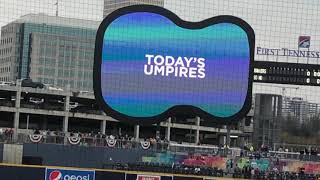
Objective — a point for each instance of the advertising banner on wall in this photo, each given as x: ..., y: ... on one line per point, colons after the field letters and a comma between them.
x: 68, y: 174
x: 148, y: 177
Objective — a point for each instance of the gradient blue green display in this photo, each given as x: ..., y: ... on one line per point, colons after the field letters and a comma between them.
x: 218, y: 70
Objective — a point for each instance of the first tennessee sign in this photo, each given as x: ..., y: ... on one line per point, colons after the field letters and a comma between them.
x: 303, y: 50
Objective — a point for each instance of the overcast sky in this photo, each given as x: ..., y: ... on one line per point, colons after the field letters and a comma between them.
x: 83, y: 9
x: 277, y: 24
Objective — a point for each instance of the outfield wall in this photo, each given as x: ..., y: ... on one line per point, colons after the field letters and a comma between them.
x: 18, y: 172
x: 80, y: 156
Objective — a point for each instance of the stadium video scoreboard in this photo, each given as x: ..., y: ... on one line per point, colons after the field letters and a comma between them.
x: 286, y: 73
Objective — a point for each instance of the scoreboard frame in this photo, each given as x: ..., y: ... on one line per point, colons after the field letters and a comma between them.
x: 179, y: 109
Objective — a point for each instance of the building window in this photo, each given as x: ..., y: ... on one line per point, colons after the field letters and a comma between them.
x: 40, y: 70
x: 60, y: 73
x: 42, y: 51
x: 59, y: 83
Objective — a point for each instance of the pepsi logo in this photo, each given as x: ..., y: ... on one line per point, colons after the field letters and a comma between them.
x: 69, y: 174
x: 55, y: 175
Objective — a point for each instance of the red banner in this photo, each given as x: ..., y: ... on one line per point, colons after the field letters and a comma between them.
x: 146, y: 177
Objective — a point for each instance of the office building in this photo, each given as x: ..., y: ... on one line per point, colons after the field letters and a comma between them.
x: 299, y: 109
x: 111, y: 5
x: 49, y: 49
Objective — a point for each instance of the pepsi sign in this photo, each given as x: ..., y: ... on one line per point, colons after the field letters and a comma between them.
x: 150, y: 65
x: 68, y: 174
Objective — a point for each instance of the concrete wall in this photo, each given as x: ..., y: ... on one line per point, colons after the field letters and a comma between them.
x: 12, y: 153
x: 1, y: 152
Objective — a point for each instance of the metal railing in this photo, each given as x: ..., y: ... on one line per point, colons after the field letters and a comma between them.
x: 90, y: 141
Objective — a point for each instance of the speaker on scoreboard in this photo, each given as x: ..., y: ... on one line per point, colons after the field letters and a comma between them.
x: 32, y: 160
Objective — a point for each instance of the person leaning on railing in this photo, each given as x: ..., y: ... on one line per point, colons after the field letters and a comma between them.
x: 1, y: 135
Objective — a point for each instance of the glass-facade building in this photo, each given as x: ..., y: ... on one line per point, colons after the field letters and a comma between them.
x: 57, y: 52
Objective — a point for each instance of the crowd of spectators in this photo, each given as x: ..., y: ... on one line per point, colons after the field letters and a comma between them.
x: 254, y: 173
x: 168, y: 168
x: 245, y: 173
x: 6, y: 135
x: 126, y: 141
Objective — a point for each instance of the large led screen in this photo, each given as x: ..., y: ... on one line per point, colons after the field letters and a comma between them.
x: 150, y: 64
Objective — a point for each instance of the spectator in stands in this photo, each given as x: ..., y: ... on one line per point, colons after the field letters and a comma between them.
x: 256, y: 173
x: 103, y: 136
x: 197, y: 170
x: 37, y: 131
x: 111, y: 137
x: 9, y: 134
x: 72, y: 134
x: 153, y: 142
x: 241, y: 153
x: 252, y: 173
x: 1, y: 135
x: 301, y: 173
x: 44, y: 133
x: 166, y: 143
x: 306, y: 151
x: 264, y: 148
x: 251, y: 149
x: 226, y: 146
x: 237, y: 172
x: 280, y: 149
x: 286, y: 150
x: 228, y: 166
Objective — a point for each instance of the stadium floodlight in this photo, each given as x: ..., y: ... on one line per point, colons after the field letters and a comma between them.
x: 150, y: 64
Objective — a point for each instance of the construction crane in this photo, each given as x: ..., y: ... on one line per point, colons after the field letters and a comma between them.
x: 57, y: 8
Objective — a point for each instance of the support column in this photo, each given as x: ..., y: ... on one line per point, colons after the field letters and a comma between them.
x: 103, y: 126
x: 168, y: 129
x: 222, y: 140
x: 45, y: 123
x: 228, y: 136
x: 65, y: 125
x: 136, y: 132
x: 224, y: 137
x: 197, y: 131
x: 158, y: 131
x: 17, y: 113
